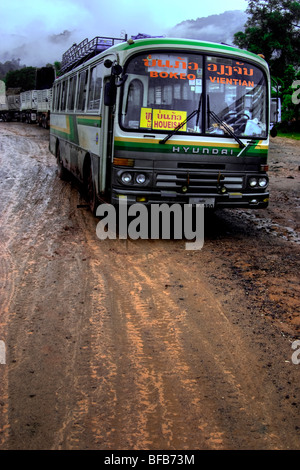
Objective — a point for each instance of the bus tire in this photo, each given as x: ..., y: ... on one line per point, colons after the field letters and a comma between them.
x: 61, y: 170
x: 91, y: 192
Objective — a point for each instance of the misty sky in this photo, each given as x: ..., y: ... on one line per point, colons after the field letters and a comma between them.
x: 39, y: 32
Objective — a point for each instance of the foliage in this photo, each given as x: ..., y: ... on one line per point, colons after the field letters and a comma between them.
x: 28, y: 78
x: 272, y: 29
x: 290, y: 106
x: 57, y: 67
x: 290, y: 135
x: 23, y: 78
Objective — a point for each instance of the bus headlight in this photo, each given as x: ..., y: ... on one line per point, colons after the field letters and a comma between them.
x: 253, y: 182
x: 262, y: 182
x: 258, y: 182
x: 130, y: 178
x: 140, y: 178
x: 126, y: 178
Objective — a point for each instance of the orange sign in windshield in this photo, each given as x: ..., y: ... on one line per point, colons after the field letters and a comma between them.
x: 161, y: 119
x: 236, y: 74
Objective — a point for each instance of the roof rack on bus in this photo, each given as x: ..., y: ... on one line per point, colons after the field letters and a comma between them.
x: 79, y: 53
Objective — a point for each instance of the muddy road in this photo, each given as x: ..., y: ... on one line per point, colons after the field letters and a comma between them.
x: 142, y: 344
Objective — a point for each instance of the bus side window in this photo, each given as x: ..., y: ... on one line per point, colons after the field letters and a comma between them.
x: 71, y: 96
x: 54, y: 92
x: 82, y: 90
x: 63, y: 96
x: 57, y: 97
x: 95, y: 88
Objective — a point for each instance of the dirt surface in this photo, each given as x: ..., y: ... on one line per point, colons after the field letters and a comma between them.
x: 123, y: 344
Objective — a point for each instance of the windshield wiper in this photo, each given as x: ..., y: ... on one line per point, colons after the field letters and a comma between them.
x: 181, y: 124
x: 224, y: 125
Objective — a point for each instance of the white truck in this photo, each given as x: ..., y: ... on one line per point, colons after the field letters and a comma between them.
x: 44, y: 100
x: 36, y: 104
x: 9, y: 103
x: 28, y: 107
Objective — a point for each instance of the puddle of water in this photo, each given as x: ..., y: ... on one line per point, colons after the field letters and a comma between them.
x: 287, y: 233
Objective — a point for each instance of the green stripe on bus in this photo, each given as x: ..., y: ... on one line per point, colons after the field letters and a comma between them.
x: 179, y: 148
x: 89, y: 121
x: 72, y: 135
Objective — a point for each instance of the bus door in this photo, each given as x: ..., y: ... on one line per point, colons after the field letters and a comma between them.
x: 98, y: 117
x: 111, y: 83
x: 107, y: 115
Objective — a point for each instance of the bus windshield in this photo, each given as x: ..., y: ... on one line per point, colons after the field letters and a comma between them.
x: 165, y: 89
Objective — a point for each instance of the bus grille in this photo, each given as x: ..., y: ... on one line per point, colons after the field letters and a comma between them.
x: 198, y: 182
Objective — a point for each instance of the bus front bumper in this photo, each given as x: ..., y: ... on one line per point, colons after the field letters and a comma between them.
x: 257, y: 200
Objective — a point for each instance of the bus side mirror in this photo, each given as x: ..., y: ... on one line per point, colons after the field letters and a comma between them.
x: 273, y: 132
x: 108, y: 63
x: 110, y: 93
x: 116, y: 69
x: 110, y: 90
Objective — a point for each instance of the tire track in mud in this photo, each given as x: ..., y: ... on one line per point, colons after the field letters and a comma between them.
x: 153, y: 328
x: 7, y: 291
x: 32, y: 230
x: 10, y: 184
x: 145, y: 334
x: 162, y: 387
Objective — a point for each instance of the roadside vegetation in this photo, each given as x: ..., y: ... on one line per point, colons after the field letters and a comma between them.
x: 290, y: 135
x: 273, y: 30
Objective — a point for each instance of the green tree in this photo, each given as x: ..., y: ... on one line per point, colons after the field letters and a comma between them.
x: 273, y: 29
x: 23, y: 78
x: 290, y: 106
x: 57, y: 66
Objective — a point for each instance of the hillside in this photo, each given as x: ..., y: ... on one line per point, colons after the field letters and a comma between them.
x: 215, y: 28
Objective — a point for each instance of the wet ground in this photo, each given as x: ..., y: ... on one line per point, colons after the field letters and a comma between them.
x: 142, y: 344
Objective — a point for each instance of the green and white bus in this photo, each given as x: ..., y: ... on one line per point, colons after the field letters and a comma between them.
x: 158, y: 120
